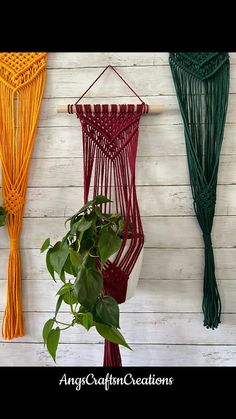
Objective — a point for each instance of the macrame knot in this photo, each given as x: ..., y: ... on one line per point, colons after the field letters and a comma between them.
x: 115, y: 282
x: 18, y: 69
x: 14, y: 244
x: 13, y: 202
x: 206, y: 199
x: 70, y: 109
x: 201, y: 65
x: 207, y: 239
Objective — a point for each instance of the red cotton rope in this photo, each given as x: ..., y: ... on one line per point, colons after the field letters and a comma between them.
x: 110, y: 141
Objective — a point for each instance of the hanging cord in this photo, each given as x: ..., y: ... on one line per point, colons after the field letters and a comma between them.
x: 145, y: 106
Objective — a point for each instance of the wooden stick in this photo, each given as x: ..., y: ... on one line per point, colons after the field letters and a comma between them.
x: 152, y: 109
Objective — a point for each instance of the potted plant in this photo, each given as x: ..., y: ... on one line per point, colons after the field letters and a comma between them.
x: 77, y: 261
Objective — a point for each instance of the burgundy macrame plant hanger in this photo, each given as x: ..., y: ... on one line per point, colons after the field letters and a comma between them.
x: 110, y: 141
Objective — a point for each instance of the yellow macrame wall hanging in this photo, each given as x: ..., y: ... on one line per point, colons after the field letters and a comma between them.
x: 22, y: 80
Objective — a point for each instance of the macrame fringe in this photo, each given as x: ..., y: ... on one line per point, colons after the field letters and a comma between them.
x: 13, y: 325
x: 203, y: 105
x: 112, y: 357
x: 19, y: 110
x: 211, y: 304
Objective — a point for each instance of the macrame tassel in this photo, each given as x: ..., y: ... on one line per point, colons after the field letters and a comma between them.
x: 112, y: 356
x: 22, y: 80
x: 13, y: 325
x: 211, y: 304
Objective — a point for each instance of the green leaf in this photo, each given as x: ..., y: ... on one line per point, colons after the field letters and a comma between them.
x: 115, y: 217
x: 65, y: 288
x: 70, y: 297
x: 65, y: 238
x: 52, y: 342
x: 121, y: 225
x: 107, y: 310
x: 112, y: 334
x: 62, y: 275
x: 82, y: 309
x: 82, y: 209
x: 79, y: 319
x: 49, y: 265
x: 59, y: 301
x: 84, y: 225
x: 108, y: 243
x: 92, y: 216
x: 69, y: 268
x: 47, y: 328
x: 74, y: 227
x: 76, y: 258
x: 106, y: 217
x: 101, y: 216
x: 88, y: 286
x: 58, y: 256
x: 3, y: 216
x: 72, y: 219
x: 90, y: 262
x: 86, y: 242
x: 86, y: 320
x: 45, y: 245
x: 81, y: 225
x: 100, y: 199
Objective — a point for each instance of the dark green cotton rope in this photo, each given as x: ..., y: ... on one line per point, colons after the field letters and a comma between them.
x: 202, y: 86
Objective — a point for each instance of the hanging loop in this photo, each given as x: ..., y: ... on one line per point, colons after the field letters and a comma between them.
x: 127, y: 84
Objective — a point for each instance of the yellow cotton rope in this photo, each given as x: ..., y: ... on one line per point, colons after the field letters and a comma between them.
x: 22, y: 81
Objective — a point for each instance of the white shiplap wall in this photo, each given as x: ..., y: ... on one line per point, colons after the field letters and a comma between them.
x: 163, y: 322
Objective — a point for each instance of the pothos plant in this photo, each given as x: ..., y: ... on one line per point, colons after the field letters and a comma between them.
x: 3, y: 216
x: 78, y: 260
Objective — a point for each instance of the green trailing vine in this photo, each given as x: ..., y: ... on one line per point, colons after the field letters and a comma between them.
x: 77, y: 261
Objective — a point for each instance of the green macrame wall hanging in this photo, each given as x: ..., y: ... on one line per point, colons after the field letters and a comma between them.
x: 202, y: 86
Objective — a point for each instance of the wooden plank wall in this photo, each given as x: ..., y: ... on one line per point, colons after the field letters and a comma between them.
x: 163, y: 322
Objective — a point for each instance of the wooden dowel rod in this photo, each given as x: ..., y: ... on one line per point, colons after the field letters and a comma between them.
x: 156, y: 108
x: 152, y: 109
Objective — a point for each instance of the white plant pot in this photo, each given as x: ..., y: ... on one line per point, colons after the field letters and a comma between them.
x: 135, y: 274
